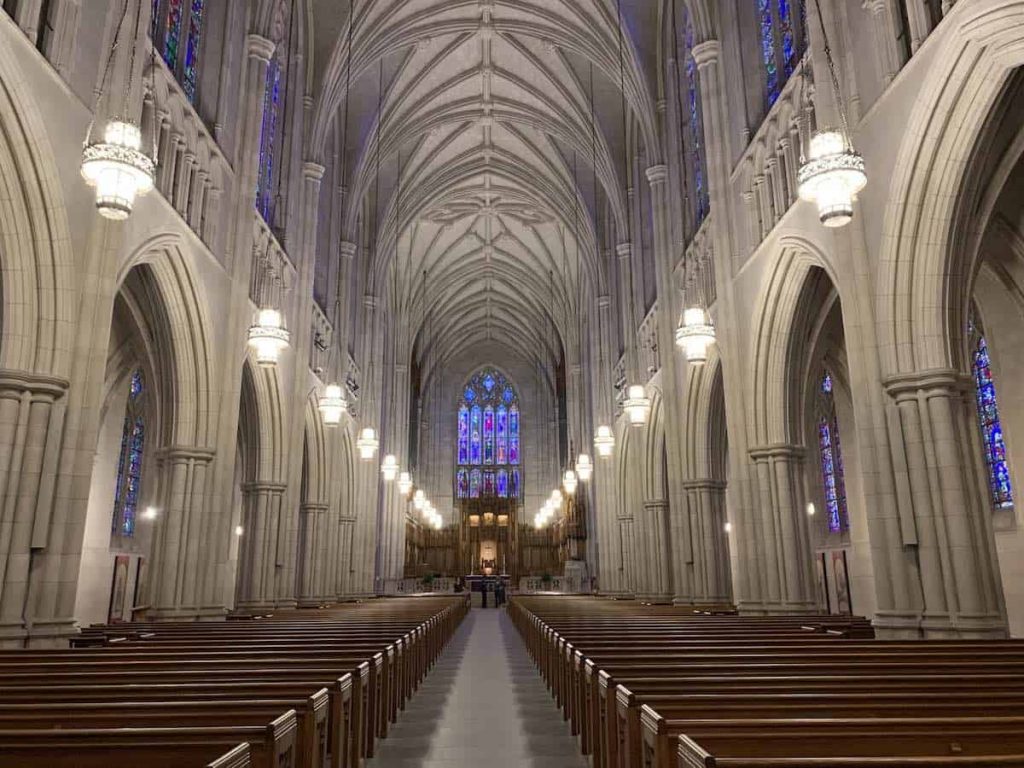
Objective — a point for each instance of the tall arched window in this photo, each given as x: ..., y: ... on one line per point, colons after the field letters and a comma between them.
x: 269, y: 139
x: 129, y: 463
x: 488, y: 439
x: 831, y: 457
x: 1000, y: 490
x: 783, y: 25
x: 691, y: 117
x: 169, y: 26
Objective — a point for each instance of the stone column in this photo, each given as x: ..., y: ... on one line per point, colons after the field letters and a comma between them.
x: 710, y: 541
x: 259, y: 557
x: 31, y: 420
x: 946, y: 522
x: 784, y: 535
x: 312, y: 587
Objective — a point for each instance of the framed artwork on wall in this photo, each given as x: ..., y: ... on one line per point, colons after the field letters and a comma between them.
x: 118, y: 588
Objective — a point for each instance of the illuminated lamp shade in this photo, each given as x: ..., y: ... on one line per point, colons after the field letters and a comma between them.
x: 404, y: 483
x: 569, y: 482
x: 332, y: 405
x: 556, y: 499
x: 367, y: 443
x: 831, y: 177
x: 239, y: 530
x: 604, y: 441
x: 118, y: 169
x: 267, y: 337
x: 419, y: 499
x: 584, y: 467
x: 637, y: 405
x: 389, y: 468
x: 696, y: 335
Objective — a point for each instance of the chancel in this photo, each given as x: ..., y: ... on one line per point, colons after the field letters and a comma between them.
x: 622, y: 383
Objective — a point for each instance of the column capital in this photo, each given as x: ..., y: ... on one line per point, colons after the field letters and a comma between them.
x: 657, y: 174
x: 187, y: 453
x: 347, y: 249
x: 624, y: 250
x: 24, y: 381
x: 312, y: 171
x: 704, y: 484
x: 905, y: 385
x: 260, y: 48
x: 776, y: 451
x: 655, y: 505
x: 604, y: 300
x: 707, y: 53
x: 370, y: 301
x: 264, y: 487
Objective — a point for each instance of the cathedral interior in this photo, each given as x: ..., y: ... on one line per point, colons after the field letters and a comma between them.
x: 684, y: 305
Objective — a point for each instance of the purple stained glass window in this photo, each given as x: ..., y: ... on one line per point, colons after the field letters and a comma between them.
x: 767, y: 22
x: 782, y: 39
x: 489, y: 435
x: 694, y: 117
x: 832, y: 477
x: 172, y: 37
x: 1000, y: 489
x: 190, y: 75
x: 129, y: 463
x: 501, y: 431
x: 462, y: 484
x: 268, y: 140
x: 789, y: 51
x: 154, y: 20
x: 463, y: 435
x: 476, y: 436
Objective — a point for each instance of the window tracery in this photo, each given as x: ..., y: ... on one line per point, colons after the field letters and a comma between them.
x: 488, y: 450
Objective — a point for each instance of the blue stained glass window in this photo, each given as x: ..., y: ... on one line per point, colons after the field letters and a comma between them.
x: 782, y: 26
x: 789, y: 54
x: 172, y: 37
x: 832, y: 477
x: 154, y: 20
x: 268, y: 140
x: 463, y: 435
x: 488, y: 436
x: 1000, y: 489
x: 190, y: 75
x: 695, y: 124
x: 772, y: 84
x: 129, y: 464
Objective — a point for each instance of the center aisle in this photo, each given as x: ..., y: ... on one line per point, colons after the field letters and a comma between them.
x: 483, y: 705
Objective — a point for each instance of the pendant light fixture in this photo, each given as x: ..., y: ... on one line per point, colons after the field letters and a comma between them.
x: 404, y: 483
x: 389, y: 468
x: 604, y: 441
x: 332, y: 405
x: 569, y: 482
x: 696, y: 335
x: 268, y: 336
x: 116, y: 165
x: 832, y: 174
x: 584, y: 467
x: 419, y: 499
x: 637, y: 404
x: 367, y: 443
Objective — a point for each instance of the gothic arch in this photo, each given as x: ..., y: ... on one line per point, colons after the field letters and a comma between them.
x: 924, y: 279
x: 655, y: 481
x: 706, y: 441
x: 261, y: 387
x: 36, y: 310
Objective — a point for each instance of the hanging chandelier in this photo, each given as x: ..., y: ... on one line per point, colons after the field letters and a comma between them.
x: 367, y: 443
x: 696, y: 335
x: 419, y: 499
x: 584, y: 467
x: 118, y: 169
x: 404, y: 483
x: 268, y: 337
x: 389, y: 468
x: 332, y: 405
x: 604, y: 441
x: 637, y: 405
x: 833, y: 173
x: 569, y: 482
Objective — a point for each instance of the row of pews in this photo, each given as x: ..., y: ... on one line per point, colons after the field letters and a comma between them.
x: 658, y: 686
x: 296, y: 689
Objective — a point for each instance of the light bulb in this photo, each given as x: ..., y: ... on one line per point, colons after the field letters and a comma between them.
x: 419, y: 499
x: 239, y: 530
x: 367, y: 443
x: 389, y: 468
x: 810, y: 509
x: 404, y: 483
x: 728, y: 527
x: 268, y: 337
x: 569, y: 482
x: 604, y: 441
x: 637, y: 405
x: 118, y: 169
x: 149, y: 513
x: 332, y: 405
x: 831, y: 177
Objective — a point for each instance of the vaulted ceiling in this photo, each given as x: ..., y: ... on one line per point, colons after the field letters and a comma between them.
x: 485, y: 139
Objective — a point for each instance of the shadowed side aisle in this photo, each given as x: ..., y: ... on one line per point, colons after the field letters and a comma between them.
x: 483, y: 704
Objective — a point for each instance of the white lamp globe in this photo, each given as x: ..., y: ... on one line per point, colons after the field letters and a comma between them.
x: 367, y: 443
x: 831, y: 177
x: 419, y: 499
x: 569, y: 482
x: 604, y: 441
x: 332, y: 405
x: 584, y: 467
x: 389, y: 468
x: 118, y: 169
x: 404, y: 483
x: 696, y: 335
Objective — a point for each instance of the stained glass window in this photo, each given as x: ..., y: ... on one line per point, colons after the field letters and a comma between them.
x: 269, y: 141
x: 189, y: 77
x: 782, y: 25
x: 129, y: 463
x: 694, y: 128
x: 1000, y: 490
x: 172, y: 35
x: 488, y: 436
x: 831, y: 455
x: 170, y: 19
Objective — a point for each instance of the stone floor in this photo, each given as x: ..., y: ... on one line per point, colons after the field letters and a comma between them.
x: 484, y: 704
